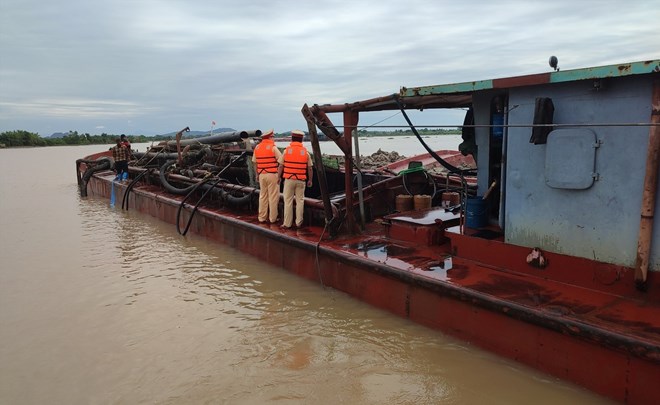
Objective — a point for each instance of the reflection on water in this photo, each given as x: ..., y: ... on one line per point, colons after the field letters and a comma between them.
x: 100, y: 305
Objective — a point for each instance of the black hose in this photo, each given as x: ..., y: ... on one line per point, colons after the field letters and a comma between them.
x: 192, y: 213
x: 183, y: 202
x: 104, y: 163
x: 167, y: 185
x: 129, y: 188
x: 234, y: 201
x: 444, y: 163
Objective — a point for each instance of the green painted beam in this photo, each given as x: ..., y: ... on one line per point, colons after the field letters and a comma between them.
x: 602, y: 72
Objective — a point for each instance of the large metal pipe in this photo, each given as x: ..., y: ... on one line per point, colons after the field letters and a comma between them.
x: 310, y: 202
x: 649, y: 194
x: 170, y: 155
x: 222, y: 137
x: 162, y: 155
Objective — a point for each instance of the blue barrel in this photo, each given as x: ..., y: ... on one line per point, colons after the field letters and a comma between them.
x: 476, y: 212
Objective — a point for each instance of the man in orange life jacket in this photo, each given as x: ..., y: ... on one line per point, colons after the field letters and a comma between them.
x: 296, y: 169
x: 266, y: 157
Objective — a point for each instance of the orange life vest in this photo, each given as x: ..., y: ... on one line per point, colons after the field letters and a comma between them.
x: 266, y: 161
x: 295, y: 162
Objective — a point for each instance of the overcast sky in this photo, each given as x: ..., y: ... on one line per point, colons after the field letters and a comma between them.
x: 156, y: 66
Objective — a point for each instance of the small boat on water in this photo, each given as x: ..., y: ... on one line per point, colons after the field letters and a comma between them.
x: 549, y: 258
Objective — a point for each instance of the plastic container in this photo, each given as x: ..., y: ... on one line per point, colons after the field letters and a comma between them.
x: 404, y: 202
x: 450, y: 199
x: 421, y: 202
x: 476, y: 212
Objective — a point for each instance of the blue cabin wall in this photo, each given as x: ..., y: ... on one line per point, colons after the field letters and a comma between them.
x: 600, y: 222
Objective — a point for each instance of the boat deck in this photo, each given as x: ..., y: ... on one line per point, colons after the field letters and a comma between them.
x: 594, y: 310
x: 574, y: 309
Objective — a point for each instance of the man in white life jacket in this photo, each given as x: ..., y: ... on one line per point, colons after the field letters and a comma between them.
x: 296, y: 169
x: 266, y: 157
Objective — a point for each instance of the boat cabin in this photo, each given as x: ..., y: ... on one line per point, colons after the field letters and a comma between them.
x: 568, y: 159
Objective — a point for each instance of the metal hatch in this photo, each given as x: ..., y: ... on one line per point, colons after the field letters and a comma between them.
x: 570, y: 159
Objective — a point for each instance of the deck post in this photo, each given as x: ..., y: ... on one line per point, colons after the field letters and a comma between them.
x: 320, y: 169
x: 356, y: 139
x: 350, y: 125
x: 649, y: 193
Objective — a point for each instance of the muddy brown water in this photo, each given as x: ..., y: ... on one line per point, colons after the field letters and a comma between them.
x: 104, y: 306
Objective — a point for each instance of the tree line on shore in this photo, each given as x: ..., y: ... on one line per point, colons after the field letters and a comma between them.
x: 21, y: 138
x: 24, y: 138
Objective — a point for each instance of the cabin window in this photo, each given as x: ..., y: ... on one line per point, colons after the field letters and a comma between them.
x: 570, y: 159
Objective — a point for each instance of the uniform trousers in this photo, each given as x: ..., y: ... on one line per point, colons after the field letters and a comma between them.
x: 294, y: 189
x: 269, y: 197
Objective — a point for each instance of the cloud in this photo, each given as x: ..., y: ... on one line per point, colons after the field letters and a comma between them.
x: 165, y: 64
x: 76, y: 108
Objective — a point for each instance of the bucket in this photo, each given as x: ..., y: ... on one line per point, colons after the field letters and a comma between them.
x: 450, y: 199
x: 476, y: 212
x: 404, y: 202
x: 422, y: 201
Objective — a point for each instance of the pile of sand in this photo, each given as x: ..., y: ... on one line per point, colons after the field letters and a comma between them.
x: 373, y: 161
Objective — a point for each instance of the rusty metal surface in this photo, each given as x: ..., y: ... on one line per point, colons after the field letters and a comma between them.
x: 644, y: 243
x: 591, y: 73
x: 222, y: 137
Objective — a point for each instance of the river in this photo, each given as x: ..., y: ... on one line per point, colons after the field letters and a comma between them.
x: 104, y: 306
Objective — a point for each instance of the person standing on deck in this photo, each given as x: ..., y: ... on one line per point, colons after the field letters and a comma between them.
x: 266, y: 157
x: 120, y: 153
x: 127, y: 143
x: 296, y: 169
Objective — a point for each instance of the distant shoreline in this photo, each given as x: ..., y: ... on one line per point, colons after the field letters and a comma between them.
x: 20, y: 138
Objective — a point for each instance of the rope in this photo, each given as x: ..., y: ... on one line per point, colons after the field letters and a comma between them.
x: 318, y: 244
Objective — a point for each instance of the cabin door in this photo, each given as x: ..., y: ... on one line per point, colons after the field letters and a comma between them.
x: 496, y: 165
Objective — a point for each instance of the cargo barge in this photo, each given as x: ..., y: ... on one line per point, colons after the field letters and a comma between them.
x: 550, y: 259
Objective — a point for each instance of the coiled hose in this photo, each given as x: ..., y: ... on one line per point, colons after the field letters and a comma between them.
x: 103, y: 163
x: 166, y: 184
